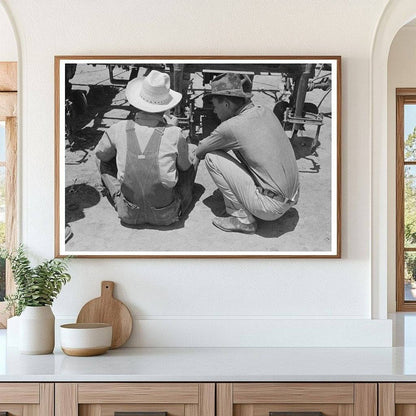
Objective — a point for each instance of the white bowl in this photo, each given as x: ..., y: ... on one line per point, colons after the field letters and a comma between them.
x: 84, y: 340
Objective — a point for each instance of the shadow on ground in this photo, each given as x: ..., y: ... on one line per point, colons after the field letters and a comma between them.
x: 275, y: 229
x: 77, y: 198
x: 215, y: 202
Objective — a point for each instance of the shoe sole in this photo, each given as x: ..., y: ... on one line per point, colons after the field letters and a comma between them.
x: 233, y: 231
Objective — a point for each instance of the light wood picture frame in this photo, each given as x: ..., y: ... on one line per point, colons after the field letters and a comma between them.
x: 304, y: 92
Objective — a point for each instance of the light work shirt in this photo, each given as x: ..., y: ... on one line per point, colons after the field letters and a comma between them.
x: 258, y: 140
x: 173, y: 151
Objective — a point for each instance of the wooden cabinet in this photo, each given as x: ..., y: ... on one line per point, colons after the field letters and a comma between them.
x: 397, y: 399
x: 27, y: 399
x: 207, y: 399
x: 106, y: 399
x: 263, y: 399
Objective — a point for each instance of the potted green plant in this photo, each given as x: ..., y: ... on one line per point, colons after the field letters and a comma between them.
x: 36, y: 289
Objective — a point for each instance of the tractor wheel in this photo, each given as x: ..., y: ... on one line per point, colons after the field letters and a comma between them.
x: 79, y: 101
x: 279, y: 110
x: 310, y: 108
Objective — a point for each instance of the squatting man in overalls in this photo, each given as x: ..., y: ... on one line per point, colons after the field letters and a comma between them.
x: 262, y: 180
x: 145, y: 163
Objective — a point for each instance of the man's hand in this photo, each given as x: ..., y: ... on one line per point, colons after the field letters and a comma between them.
x: 196, y: 163
x: 171, y: 119
x: 193, y: 158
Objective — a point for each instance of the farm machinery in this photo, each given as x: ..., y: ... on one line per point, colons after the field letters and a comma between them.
x: 291, y: 106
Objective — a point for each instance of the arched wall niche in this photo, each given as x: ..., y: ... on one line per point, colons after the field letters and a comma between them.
x: 9, y: 45
x: 401, y: 74
x: 396, y: 14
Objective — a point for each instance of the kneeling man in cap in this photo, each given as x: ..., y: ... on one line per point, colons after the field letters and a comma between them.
x: 262, y: 180
x: 145, y: 163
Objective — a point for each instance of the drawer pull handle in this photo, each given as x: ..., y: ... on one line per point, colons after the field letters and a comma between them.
x: 296, y: 414
x: 139, y: 414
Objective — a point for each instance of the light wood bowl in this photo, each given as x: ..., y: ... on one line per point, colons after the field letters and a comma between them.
x: 87, y: 339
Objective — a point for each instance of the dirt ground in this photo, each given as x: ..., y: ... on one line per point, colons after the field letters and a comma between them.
x: 94, y: 222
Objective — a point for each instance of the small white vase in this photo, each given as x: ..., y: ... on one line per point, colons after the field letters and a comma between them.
x: 37, y: 330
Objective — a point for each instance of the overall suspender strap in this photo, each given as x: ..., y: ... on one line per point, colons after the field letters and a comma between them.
x: 133, y: 145
x: 142, y: 167
x: 153, y: 145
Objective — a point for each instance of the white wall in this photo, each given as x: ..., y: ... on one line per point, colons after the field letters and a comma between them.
x: 8, y: 46
x: 176, y: 301
x: 401, y: 74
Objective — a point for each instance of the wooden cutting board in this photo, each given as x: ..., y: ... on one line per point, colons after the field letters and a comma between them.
x: 107, y: 309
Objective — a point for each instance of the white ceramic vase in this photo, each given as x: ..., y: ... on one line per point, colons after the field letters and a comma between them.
x: 37, y: 330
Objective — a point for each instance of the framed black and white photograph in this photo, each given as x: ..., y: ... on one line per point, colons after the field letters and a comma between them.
x: 198, y: 156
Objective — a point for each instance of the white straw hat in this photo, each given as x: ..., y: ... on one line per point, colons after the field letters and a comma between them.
x: 152, y: 94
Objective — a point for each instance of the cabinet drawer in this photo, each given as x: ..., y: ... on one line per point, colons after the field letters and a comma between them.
x: 138, y: 393
x: 296, y: 399
x: 397, y: 399
x: 107, y: 399
x: 21, y: 399
x: 292, y: 392
x: 19, y: 393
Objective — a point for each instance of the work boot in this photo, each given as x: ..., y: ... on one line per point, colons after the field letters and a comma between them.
x: 233, y: 224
